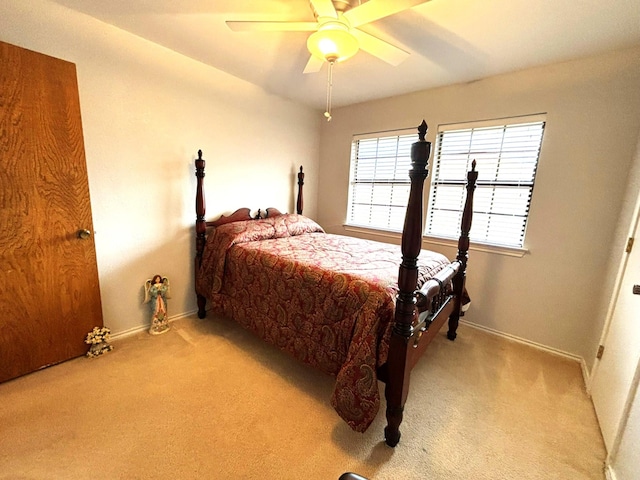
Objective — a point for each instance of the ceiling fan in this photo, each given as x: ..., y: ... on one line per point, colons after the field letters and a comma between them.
x: 336, y: 34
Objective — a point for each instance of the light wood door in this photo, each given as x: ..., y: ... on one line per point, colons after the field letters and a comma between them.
x: 49, y: 291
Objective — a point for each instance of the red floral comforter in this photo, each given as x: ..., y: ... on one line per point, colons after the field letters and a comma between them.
x: 326, y: 299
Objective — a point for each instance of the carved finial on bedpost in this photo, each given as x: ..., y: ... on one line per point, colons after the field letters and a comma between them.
x: 300, y: 202
x: 422, y: 130
x: 412, y: 235
x: 399, y: 348
x: 200, y: 204
x: 467, y: 213
x: 463, y: 250
x: 201, y: 226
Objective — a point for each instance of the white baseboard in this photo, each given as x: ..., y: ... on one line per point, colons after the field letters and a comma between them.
x: 140, y: 328
x: 554, y: 351
x: 539, y: 346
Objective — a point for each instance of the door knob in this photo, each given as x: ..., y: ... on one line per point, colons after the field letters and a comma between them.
x: 636, y: 289
x: 84, y: 234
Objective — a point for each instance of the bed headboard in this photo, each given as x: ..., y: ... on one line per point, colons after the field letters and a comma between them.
x: 239, y: 215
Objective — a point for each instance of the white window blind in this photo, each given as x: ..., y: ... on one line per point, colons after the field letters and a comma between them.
x: 507, y: 159
x: 379, y: 180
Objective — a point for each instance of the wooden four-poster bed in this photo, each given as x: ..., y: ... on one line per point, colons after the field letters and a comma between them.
x: 360, y: 310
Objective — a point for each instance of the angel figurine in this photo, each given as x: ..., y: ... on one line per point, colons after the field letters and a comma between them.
x: 156, y: 292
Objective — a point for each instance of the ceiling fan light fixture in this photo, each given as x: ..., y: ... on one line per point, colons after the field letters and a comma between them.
x: 333, y: 42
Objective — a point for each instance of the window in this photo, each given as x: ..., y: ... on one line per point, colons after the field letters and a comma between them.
x: 379, y: 179
x: 507, y: 158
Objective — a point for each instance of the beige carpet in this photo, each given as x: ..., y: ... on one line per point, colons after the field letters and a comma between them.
x: 210, y: 401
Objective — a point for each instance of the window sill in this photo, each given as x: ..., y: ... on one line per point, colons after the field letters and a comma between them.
x: 373, y: 231
x: 480, y: 247
x: 508, y: 251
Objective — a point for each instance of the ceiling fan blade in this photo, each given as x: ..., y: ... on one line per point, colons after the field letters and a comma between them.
x: 251, y: 26
x: 314, y: 65
x: 381, y: 49
x: 376, y: 9
x: 324, y: 8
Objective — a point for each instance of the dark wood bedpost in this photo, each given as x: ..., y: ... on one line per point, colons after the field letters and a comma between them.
x: 201, y: 227
x: 463, y: 252
x: 399, y: 369
x: 300, y: 203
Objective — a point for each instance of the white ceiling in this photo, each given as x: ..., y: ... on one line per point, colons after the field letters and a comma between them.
x: 450, y: 41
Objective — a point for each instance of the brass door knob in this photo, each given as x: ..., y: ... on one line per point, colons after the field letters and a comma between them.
x: 84, y: 234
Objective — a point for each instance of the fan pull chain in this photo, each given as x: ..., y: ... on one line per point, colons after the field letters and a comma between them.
x: 327, y: 113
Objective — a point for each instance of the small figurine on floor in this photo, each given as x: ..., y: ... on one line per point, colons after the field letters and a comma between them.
x: 156, y: 292
x: 98, y: 340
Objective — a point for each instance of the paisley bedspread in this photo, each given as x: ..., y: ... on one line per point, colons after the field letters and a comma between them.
x: 326, y: 299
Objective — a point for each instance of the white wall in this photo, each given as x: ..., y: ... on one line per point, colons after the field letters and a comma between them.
x: 554, y: 295
x: 146, y: 111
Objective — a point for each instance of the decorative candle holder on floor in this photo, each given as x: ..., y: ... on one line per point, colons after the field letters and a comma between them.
x: 156, y: 292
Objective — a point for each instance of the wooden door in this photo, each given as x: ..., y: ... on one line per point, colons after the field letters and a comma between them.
x: 49, y: 291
